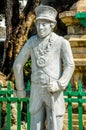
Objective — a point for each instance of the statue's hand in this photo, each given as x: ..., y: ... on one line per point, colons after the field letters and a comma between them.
x: 53, y: 87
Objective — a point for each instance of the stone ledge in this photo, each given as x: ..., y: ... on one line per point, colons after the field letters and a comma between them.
x: 76, y: 30
x: 67, y: 13
x: 80, y: 61
x: 68, y: 18
x: 77, y: 38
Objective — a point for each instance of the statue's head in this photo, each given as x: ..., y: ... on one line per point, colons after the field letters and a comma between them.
x: 45, y: 20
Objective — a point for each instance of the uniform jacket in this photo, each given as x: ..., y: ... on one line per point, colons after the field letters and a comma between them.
x: 52, y: 60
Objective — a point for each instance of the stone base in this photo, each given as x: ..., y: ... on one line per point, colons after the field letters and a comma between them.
x: 78, y: 45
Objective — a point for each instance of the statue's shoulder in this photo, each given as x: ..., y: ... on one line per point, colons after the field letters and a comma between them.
x: 56, y: 36
x: 59, y: 38
x: 32, y: 38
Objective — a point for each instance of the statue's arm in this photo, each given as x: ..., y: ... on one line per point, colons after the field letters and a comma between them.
x: 18, y: 69
x: 68, y: 64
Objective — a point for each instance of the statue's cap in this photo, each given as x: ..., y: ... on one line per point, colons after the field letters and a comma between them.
x: 45, y: 12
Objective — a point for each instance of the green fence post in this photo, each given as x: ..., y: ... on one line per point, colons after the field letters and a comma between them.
x: 0, y: 114
x: 19, y: 114
x: 69, y: 107
x: 80, y: 111
x: 28, y: 113
x: 8, y: 107
x: 28, y: 116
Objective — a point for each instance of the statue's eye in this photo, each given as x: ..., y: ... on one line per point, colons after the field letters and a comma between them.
x: 44, y: 24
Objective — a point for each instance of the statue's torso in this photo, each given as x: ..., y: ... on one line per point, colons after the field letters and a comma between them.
x: 46, y: 56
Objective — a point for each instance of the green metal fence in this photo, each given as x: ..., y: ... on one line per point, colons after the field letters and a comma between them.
x: 70, y: 97
x: 75, y: 97
x: 5, y: 96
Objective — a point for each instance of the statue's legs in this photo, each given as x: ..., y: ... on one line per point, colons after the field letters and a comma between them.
x: 59, y: 120
x: 37, y: 120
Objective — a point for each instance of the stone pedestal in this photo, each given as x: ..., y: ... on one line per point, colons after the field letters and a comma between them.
x: 78, y: 44
x: 76, y: 34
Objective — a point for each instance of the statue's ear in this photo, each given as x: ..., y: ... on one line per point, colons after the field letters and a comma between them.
x: 53, y: 25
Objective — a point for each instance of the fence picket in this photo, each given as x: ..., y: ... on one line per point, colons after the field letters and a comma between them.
x: 19, y: 115
x: 28, y: 116
x: 0, y: 114
x: 70, y: 98
x: 69, y: 107
x: 80, y: 109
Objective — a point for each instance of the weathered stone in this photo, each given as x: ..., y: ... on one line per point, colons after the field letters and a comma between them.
x: 76, y: 30
x: 77, y: 38
x: 68, y: 18
x: 84, y: 107
x: 79, y: 6
x: 75, y: 127
x: 78, y: 44
x: 84, y: 117
x: 65, y: 126
x: 80, y: 62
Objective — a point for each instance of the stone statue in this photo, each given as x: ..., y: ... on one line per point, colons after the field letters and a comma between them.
x: 52, y: 68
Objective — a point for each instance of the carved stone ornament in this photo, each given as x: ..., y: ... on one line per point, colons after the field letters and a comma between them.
x: 42, y: 50
x: 42, y: 61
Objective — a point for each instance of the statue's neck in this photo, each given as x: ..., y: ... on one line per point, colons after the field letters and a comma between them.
x: 45, y: 38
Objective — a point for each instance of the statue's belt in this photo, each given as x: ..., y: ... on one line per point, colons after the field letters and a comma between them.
x: 42, y: 77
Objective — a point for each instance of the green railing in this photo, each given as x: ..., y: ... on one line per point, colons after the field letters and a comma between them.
x: 5, y: 96
x: 70, y: 98
x: 75, y: 97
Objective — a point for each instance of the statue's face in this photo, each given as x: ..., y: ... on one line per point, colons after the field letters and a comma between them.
x: 43, y: 28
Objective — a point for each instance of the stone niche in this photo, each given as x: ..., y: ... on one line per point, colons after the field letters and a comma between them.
x: 76, y: 34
